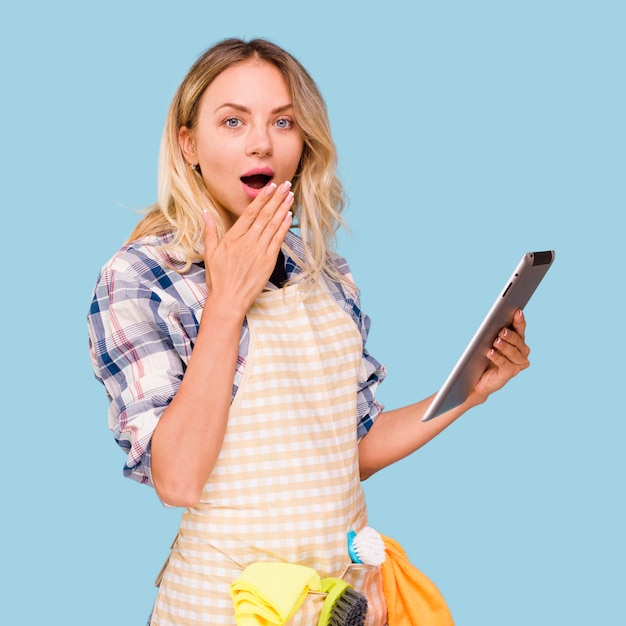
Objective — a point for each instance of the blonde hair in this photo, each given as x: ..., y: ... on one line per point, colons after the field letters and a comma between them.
x: 182, y: 195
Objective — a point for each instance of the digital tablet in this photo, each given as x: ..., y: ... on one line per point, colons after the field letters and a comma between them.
x: 473, y: 362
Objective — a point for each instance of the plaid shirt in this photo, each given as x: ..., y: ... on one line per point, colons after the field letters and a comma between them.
x: 143, y: 323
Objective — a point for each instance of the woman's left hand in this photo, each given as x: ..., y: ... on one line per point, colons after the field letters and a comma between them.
x: 400, y: 432
x: 508, y: 356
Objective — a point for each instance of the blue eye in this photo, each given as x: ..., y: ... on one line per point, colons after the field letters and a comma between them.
x: 232, y: 122
x: 284, y: 123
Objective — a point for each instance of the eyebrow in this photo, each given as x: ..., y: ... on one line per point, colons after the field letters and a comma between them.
x: 243, y: 109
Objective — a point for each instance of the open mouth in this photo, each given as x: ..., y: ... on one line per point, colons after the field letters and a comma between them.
x: 256, y: 181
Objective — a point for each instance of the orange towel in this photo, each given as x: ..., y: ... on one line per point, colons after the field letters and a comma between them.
x: 412, y: 598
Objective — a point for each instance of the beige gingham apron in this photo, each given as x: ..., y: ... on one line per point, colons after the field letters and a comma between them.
x: 286, y: 485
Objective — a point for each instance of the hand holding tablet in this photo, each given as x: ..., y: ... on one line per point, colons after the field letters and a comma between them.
x: 515, y: 294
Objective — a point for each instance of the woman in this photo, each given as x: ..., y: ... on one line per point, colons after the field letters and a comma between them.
x: 233, y: 350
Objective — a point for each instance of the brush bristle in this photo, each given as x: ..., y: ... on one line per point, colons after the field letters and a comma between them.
x: 350, y: 609
x: 369, y: 546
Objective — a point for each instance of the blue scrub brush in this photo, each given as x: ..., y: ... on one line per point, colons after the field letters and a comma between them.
x: 366, y: 546
x: 343, y: 605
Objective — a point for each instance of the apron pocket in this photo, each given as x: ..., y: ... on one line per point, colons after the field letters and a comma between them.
x: 366, y: 579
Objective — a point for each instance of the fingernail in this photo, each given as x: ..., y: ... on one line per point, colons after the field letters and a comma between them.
x: 505, y: 332
x: 269, y: 189
x: 286, y: 186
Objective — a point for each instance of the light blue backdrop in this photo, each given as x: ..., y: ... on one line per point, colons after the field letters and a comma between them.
x: 468, y: 133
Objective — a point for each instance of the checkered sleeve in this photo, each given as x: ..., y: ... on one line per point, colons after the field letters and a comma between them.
x: 139, y: 345
x: 371, y: 373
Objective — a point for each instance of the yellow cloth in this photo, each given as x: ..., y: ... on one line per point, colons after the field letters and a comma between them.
x: 412, y: 598
x: 270, y: 593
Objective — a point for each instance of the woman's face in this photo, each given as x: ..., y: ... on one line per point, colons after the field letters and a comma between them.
x: 245, y: 136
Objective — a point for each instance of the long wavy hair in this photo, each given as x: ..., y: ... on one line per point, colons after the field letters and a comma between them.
x: 183, y: 196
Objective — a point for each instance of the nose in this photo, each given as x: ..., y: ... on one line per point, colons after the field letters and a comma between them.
x: 259, y: 142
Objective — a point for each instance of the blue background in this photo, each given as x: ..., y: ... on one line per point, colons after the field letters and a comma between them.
x: 468, y: 133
